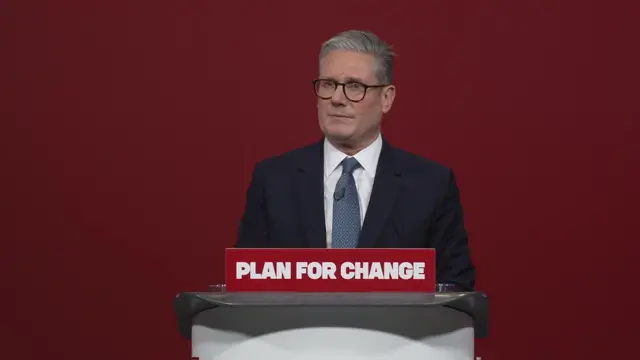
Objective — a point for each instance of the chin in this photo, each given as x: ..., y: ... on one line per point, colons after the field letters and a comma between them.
x: 340, y: 137
x: 339, y: 132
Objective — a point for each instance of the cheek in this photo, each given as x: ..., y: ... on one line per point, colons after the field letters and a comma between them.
x: 366, y: 111
x: 322, y: 107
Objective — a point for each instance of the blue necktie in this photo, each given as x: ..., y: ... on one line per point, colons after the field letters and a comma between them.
x: 346, y: 208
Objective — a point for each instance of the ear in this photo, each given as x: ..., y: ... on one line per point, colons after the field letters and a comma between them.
x: 388, y: 95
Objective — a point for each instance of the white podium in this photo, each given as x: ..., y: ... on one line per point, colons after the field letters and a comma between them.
x: 315, y: 326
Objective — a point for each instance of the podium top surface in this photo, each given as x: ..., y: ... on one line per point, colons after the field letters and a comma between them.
x: 329, y: 299
x: 474, y: 304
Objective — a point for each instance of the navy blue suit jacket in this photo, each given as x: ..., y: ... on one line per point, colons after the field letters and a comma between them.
x: 414, y: 203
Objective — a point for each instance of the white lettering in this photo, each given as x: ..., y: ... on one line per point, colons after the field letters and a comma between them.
x: 301, y: 268
x: 316, y: 270
x: 329, y: 270
x: 269, y: 270
x: 346, y: 270
x: 382, y: 271
x: 418, y: 271
x: 243, y: 268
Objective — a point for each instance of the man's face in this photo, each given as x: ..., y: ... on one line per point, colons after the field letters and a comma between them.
x: 344, y: 120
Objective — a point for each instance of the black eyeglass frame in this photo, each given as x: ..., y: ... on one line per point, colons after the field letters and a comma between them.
x: 344, y: 89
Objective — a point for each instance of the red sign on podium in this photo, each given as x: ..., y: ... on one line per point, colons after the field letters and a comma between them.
x: 330, y: 270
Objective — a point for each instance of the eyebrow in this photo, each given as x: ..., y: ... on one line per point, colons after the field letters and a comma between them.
x: 347, y: 79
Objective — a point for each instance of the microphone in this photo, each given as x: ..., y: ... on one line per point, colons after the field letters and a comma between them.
x: 339, y: 194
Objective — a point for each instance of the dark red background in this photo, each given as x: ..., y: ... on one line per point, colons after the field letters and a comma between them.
x: 132, y: 128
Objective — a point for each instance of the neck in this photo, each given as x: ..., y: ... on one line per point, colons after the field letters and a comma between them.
x: 353, y: 147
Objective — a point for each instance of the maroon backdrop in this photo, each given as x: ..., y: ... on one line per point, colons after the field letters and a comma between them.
x: 132, y: 128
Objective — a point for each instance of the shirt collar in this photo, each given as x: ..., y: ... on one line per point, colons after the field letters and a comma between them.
x: 367, y: 157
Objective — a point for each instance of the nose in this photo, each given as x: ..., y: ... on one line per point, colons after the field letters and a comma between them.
x: 338, y: 98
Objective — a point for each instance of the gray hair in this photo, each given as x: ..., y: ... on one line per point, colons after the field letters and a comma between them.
x: 364, y: 42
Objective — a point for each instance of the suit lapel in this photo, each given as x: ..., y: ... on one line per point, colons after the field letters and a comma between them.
x: 383, y: 195
x: 310, y: 194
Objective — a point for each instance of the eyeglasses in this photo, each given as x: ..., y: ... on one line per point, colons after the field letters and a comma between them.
x: 353, y: 90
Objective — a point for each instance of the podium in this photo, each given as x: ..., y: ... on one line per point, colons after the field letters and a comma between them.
x: 315, y: 326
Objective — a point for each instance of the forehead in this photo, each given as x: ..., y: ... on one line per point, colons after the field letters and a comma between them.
x: 343, y: 64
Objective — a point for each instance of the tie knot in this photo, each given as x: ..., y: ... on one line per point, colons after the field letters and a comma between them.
x: 349, y: 164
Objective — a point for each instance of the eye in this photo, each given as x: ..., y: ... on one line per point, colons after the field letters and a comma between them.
x: 355, y: 86
x: 327, y: 83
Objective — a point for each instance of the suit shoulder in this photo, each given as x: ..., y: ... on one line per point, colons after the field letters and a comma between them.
x: 418, y: 164
x: 284, y: 161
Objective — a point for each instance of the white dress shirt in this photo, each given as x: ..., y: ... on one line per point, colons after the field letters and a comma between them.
x: 364, y: 176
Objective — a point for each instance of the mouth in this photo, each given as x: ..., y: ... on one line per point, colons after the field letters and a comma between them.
x: 341, y: 116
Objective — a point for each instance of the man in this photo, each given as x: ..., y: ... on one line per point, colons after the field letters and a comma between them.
x: 353, y: 189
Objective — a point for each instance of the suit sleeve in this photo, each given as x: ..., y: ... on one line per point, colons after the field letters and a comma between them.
x: 449, y: 237
x: 253, y: 230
